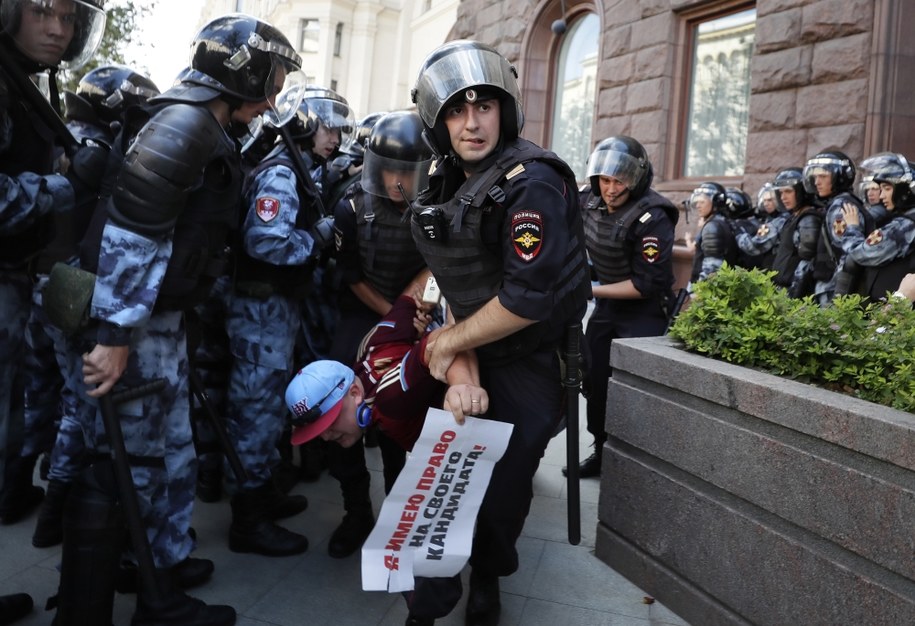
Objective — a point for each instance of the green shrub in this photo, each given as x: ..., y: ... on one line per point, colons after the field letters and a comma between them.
x: 855, y: 347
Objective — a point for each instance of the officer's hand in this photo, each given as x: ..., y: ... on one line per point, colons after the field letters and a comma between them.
x: 850, y: 214
x: 463, y: 400
x: 103, y: 367
x: 87, y: 168
x: 323, y: 233
x: 438, y: 355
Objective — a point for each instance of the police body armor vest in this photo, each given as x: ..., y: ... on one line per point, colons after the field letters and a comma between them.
x: 786, y: 257
x: 720, y: 228
x: 468, y: 267
x: 200, y: 253
x: 607, y: 234
x: 877, y: 281
x: 388, y: 256
x: 254, y: 277
x: 31, y: 150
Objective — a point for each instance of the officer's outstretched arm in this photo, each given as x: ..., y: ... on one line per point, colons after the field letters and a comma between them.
x: 161, y: 168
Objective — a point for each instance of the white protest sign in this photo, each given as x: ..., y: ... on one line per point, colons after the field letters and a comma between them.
x: 425, y: 527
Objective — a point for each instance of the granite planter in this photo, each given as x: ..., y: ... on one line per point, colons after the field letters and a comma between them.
x: 738, y: 497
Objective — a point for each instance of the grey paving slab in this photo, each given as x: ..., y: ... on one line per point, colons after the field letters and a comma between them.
x: 556, y: 583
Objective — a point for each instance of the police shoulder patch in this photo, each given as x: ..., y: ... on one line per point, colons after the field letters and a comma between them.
x: 874, y: 237
x: 527, y: 234
x: 838, y: 227
x: 267, y: 208
x: 651, y: 249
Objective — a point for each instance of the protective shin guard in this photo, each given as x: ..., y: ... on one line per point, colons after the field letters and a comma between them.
x: 93, y: 540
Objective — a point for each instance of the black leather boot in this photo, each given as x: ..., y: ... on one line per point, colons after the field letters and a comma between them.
x: 279, y: 505
x: 253, y: 531
x: 358, y: 521
x: 19, y: 497
x: 590, y: 467
x: 484, y: 603
x: 168, y: 606
x: 49, y: 530
x: 14, y: 606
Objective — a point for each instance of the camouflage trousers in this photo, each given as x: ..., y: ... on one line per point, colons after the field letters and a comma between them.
x: 15, y: 289
x: 157, y: 433
x: 261, y: 337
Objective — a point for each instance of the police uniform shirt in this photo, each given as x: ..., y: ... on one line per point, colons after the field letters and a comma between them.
x: 534, y: 240
x: 269, y: 232
x: 396, y: 383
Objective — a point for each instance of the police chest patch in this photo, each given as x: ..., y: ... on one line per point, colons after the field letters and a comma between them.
x: 875, y: 237
x: 651, y: 249
x: 267, y: 208
x: 527, y: 234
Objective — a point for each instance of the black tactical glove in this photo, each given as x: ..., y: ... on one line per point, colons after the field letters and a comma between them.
x: 323, y: 233
x: 87, y: 168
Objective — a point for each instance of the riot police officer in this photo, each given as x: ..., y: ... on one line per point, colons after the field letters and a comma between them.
x: 715, y: 243
x: 885, y: 254
x: 156, y: 247
x: 629, y: 230
x: 500, y: 229
x: 283, y: 232
x: 346, y: 169
x: 757, y: 248
x: 376, y: 259
x: 830, y: 175
x: 799, y: 237
x: 36, y: 39
x: 96, y: 112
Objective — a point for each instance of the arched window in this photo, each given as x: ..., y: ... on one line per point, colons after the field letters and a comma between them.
x: 573, y: 97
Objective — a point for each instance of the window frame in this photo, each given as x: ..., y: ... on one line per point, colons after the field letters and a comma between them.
x: 303, y: 30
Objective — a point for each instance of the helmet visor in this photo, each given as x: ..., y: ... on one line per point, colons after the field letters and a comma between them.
x: 459, y: 70
x: 283, y: 108
x: 619, y: 165
x: 392, y: 178
x: 334, y: 115
x: 78, y: 24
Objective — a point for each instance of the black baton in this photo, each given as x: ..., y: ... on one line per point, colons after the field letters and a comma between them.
x: 127, y: 490
x: 219, y: 428
x: 572, y: 383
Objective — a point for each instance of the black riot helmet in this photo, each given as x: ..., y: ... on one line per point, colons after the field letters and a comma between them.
x: 104, y: 93
x: 238, y: 56
x: 715, y: 193
x: 793, y: 178
x: 320, y: 107
x: 836, y: 163
x: 397, y: 160
x: 86, y: 18
x: 624, y: 159
x: 364, y: 126
x: 469, y: 71
x: 737, y: 204
x: 893, y: 169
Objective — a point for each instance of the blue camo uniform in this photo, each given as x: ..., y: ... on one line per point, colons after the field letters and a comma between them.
x: 764, y: 241
x: 29, y: 195
x: 263, y: 317
x: 142, y: 288
x: 885, y: 252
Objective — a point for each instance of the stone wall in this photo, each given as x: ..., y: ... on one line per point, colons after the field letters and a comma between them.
x: 738, y: 497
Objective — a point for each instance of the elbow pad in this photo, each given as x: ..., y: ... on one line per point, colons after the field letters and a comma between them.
x: 714, y: 243
x: 808, y: 232
x: 162, y: 166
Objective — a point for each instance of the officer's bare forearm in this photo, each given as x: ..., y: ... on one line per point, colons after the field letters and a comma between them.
x: 491, y: 323
x: 370, y: 297
x: 623, y: 290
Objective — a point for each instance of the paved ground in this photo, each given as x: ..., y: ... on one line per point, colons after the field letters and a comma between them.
x: 557, y: 583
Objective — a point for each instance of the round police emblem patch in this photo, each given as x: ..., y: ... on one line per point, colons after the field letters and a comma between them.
x: 527, y: 234
x: 875, y: 237
x: 838, y: 227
